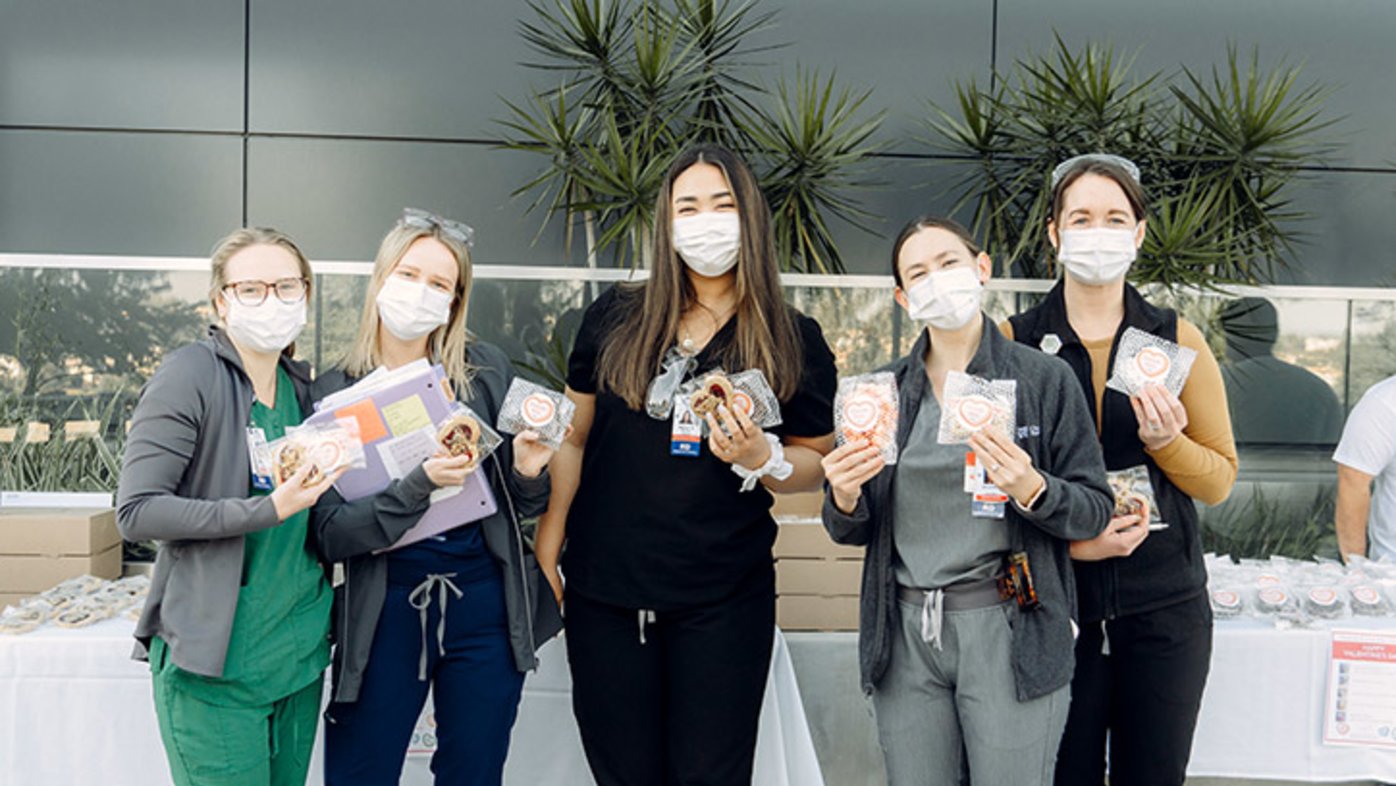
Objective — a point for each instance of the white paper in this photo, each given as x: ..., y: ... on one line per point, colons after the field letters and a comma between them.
x: 1360, y: 703
x: 402, y: 454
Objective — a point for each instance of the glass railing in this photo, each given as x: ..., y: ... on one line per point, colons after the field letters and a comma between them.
x: 78, y: 336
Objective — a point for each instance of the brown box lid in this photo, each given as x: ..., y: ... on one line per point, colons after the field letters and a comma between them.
x: 827, y: 577
x: 57, y: 531
x: 809, y: 540
x: 804, y: 505
x: 29, y: 574
x: 808, y: 612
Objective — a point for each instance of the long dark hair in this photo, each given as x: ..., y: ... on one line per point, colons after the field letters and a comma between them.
x: 766, y: 336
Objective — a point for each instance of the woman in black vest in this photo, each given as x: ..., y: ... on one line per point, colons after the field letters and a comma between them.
x: 1146, y: 626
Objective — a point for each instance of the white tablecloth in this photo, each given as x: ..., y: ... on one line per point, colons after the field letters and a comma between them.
x: 1262, y: 714
x: 74, y: 709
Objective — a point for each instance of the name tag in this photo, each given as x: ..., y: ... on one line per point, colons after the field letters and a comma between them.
x: 260, y: 459
x: 987, y: 501
x: 686, y: 431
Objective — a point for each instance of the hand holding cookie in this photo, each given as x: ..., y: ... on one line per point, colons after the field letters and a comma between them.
x: 445, y: 470
x: 302, y: 489
x: 734, y: 438
x: 1160, y: 414
x: 532, y: 454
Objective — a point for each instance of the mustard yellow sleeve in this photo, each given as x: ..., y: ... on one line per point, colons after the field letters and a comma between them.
x: 1006, y: 328
x: 1202, y: 460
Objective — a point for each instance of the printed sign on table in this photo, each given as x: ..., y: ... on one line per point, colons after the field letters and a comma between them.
x: 1360, y: 704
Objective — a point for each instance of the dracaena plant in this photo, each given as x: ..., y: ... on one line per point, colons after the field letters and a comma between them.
x: 631, y: 83
x: 1219, y: 153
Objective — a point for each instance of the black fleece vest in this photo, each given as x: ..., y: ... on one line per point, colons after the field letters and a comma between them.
x: 1167, y: 568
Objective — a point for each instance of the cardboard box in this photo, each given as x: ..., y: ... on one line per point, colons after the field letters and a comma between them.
x: 57, y: 531
x: 805, y: 505
x: 827, y: 577
x: 808, y: 612
x: 31, y: 573
x: 809, y: 540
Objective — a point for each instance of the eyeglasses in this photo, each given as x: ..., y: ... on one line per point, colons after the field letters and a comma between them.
x: 423, y: 219
x: 254, y: 293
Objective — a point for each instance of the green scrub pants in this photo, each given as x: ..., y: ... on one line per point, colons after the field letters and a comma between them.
x: 211, y: 745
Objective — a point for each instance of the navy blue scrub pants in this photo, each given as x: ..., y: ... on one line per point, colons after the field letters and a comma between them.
x: 475, y: 690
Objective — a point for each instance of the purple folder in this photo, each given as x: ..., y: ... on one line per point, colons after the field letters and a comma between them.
x: 475, y: 500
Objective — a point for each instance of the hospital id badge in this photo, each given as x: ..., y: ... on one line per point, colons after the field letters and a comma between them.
x: 974, y: 473
x: 259, y: 456
x: 686, y: 432
x: 987, y: 501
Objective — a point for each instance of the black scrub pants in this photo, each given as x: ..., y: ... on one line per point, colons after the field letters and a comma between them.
x: 674, y: 701
x: 1145, y: 694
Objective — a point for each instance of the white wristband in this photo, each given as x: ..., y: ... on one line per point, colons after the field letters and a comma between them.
x: 776, y: 466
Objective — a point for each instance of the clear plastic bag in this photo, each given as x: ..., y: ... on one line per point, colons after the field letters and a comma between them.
x: 1134, y: 494
x: 1143, y: 359
x: 528, y: 406
x: 866, y: 410
x: 659, y: 399
x: 463, y: 433
x: 972, y: 404
x: 1228, y: 602
x: 747, y: 391
x: 327, y: 447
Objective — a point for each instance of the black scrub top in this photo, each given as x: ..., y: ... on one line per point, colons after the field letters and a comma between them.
x: 648, y: 530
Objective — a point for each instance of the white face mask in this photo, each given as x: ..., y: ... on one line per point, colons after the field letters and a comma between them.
x: 708, y: 242
x: 1097, y: 256
x: 269, y: 327
x: 946, y: 299
x: 411, y: 309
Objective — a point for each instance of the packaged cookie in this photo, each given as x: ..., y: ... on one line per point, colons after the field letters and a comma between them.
x: 462, y: 433
x: 327, y: 447
x: 746, y: 391
x: 1324, y: 601
x: 1367, y: 600
x: 1134, y: 494
x: 80, y: 615
x: 866, y: 410
x: 971, y: 404
x: 528, y: 406
x: 1227, y: 603
x: 23, y: 618
x: 1274, y: 600
x: 1143, y: 359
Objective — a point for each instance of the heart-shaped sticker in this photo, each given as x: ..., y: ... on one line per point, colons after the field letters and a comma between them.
x: 1152, y: 362
x: 1366, y: 595
x: 974, y: 412
x: 327, y: 454
x: 1323, y: 596
x: 1274, y: 596
x: 538, y: 410
x: 743, y: 403
x: 1226, y: 598
x: 860, y: 413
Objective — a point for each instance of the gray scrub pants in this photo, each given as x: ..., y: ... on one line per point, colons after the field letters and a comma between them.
x: 936, y: 706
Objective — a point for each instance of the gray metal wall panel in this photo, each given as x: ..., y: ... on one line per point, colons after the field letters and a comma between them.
x: 338, y: 197
x: 169, y: 64
x: 433, y: 68
x: 1343, y: 43
x: 114, y: 193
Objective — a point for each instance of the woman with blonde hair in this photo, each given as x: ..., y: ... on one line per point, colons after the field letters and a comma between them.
x: 463, y: 612
x: 670, y: 587
x: 236, y: 626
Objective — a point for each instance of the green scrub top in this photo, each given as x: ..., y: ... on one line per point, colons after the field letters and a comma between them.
x: 281, y: 631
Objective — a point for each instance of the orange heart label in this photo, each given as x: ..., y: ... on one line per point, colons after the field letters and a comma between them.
x: 1226, y: 598
x: 1153, y: 363
x: 974, y: 412
x: 742, y: 402
x: 538, y: 410
x: 327, y: 454
x: 1366, y: 595
x: 1324, y: 596
x: 860, y: 413
x: 1273, y: 595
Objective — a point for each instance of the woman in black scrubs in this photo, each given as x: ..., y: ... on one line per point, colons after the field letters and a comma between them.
x: 671, y: 590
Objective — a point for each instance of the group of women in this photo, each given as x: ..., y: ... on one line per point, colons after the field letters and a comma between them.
x: 1000, y: 646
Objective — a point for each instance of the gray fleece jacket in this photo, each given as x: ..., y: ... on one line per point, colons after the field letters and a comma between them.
x: 184, y: 481
x: 1055, y: 429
